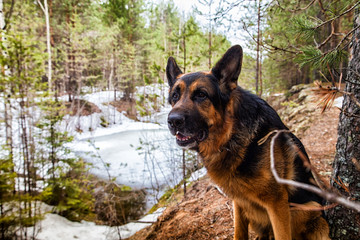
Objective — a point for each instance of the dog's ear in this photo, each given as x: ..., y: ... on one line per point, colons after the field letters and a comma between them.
x: 172, y: 71
x: 228, y: 68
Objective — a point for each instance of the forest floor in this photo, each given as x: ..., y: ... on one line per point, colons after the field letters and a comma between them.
x: 205, y: 213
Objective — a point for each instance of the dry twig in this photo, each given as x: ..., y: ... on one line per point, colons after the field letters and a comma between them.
x: 303, y: 207
x: 329, y: 196
x: 330, y: 93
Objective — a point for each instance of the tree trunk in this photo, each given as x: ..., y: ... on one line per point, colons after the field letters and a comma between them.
x: 6, y: 94
x: 257, y: 74
x: 210, y: 28
x: 112, y: 67
x: 48, y: 37
x: 345, y: 223
x: 45, y: 9
x: 260, y: 76
x: 184, y: 46
x: 184, y: 171
x: 2, y: 17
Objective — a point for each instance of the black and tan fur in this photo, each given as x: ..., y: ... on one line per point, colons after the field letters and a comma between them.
x: 212, y: 115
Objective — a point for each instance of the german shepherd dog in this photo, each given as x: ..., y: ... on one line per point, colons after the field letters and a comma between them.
x: 212, y: 115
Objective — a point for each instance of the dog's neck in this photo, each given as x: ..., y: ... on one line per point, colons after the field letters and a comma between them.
x: 225, y: 141
x: 223, y: 155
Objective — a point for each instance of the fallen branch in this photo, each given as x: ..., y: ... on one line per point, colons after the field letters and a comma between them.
x: 303, y: 207
x: 329, y: 196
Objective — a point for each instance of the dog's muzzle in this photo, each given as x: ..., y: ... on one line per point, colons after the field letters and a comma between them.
x: 186, y: 133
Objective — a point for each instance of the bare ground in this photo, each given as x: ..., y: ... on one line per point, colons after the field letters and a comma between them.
x: 81, y: 107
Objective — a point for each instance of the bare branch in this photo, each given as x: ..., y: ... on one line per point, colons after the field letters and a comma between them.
x: 41, y: 5
x: 9, y: 14
x: 349, y: 114
x: 276, y: 48
x: 338, y: 16
x: 324, y: 185
x: 329, y: 93
x: 332, y: 197
x: 297, y: 9
x: 329, y: 37
x: 346, y: 36
x: 351, y: 95
x: 303, y: 207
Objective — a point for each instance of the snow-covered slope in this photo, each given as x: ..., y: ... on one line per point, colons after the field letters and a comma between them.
x: 55, y: 227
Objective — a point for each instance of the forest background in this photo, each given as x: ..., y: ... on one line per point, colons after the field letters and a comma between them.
x: 51, y: 49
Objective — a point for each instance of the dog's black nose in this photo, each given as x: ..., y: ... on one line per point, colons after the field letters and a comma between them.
x: 176, y: 120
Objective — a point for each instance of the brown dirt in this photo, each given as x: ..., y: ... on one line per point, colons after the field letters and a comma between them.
x: 81, y: 108
x: 84, y: 108
x: 206, y: 214
x: 320, y: 140
x: 125, y: 106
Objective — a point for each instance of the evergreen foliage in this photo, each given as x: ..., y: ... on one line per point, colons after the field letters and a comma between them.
x: 311, y: 36
x: 65, y: 185
x: 117, y: 45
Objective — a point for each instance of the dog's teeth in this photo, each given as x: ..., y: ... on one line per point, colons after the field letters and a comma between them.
x: 182, y: 138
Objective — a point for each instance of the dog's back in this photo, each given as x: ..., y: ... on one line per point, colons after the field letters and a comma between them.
x: 290, y: 160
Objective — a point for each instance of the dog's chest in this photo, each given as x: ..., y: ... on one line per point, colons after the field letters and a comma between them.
x: 233, y: 186
x: 244, y: 195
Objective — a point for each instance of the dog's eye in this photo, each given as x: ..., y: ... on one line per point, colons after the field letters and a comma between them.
x: 175, y: 96
x: 200, y: 95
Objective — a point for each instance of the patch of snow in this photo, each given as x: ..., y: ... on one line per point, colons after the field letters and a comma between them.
x: 128, y: 125
x: 153, y: 216
x: 153, y: 161
x: 198, y: 174
x: 55, y: 227
x: 338, y: 102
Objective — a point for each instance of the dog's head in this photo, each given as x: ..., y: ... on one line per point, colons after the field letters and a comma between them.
x: 199, y: 100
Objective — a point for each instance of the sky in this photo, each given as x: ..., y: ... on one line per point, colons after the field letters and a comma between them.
x: 186, y: 6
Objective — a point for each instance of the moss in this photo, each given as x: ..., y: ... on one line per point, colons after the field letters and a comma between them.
x: 291, y: 104
x: 104, y: 123
x: 172, y: 195
x: 165, y: 199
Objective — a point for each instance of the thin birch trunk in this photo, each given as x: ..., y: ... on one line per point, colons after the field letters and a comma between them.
x: 257, y: 74
x: 45, y: 9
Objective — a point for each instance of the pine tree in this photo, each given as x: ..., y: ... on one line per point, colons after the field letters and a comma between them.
x: 23, y: 78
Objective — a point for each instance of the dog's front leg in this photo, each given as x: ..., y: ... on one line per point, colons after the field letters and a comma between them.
x: 280, y: 218
x: 241, y: 223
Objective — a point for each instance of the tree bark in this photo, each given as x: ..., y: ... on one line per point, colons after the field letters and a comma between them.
x: 7, y: 92
x: 345, y: 223
x: 45, y: 9
x: 184, y: 46
x: 184, y: 171
x: 112, y: 68
x: 258, y: 66
x: 2, y: 18
x: 210, y: 29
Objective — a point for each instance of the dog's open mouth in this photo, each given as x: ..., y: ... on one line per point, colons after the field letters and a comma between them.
x: 184, y: 140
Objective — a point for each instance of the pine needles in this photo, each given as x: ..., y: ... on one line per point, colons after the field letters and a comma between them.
x: 327, y: 94
x: 304, y: 27
x: 315, y: 57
